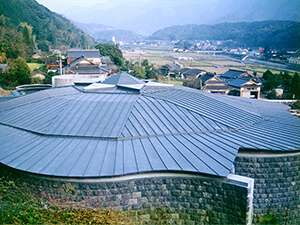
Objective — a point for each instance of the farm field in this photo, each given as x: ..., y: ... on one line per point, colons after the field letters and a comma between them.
x: 209, y: 62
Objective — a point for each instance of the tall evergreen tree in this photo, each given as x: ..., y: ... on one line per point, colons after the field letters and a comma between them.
x: 28, y: 41
x: 296, y: 85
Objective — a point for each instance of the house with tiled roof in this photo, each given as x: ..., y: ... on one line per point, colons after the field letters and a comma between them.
x: 240, y: 82
x: 217, y: 86
x: 81, y: 70
x: 92, y: 55
x: 246, y: 88
x: 191, y: 74
x: 232, y: 74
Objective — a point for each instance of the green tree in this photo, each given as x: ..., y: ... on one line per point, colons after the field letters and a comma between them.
x: 139, y: 72
x: 296, y: 85
x: 267, y: 75
x: 151, y: 72
x: 19, y: 72
x: 127, y: 66
x: 114, y: 53
x: 43, y: 46
x: 118, y: 61
x: 272, y: 80
x: 187, y: 45
x: 165, y: 70
x: 27, y: 38
x: 286, y: 78
x: 149, y: 69
x: 48, y: 78
x: 272, y: 95
x: 145, y: 63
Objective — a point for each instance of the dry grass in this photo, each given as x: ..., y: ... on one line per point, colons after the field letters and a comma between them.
x: 33, y: 66
x: 4, y: 92
x: 22, y: 203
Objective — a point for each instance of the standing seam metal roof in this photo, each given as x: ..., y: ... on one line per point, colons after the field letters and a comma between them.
x: 66, y: 132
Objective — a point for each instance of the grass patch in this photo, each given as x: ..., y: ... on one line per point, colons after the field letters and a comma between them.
x: 20, y: 204
x: 164, y: 79
x: 24, y: 203
x: 33, y: 66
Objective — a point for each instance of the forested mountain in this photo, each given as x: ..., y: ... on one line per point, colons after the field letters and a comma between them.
x: 278, y: 34
x: 25, y: 23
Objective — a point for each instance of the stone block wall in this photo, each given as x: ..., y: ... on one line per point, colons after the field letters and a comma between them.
x: 187, y: 200
x: 277, y: 184
x: 184, y: 198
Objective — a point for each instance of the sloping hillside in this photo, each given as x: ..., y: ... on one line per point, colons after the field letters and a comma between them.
x: 44, y: 25
x: 278, y: 34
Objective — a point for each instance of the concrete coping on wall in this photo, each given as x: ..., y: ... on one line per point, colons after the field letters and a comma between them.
x: 249, y: 182
x: 266, y: 153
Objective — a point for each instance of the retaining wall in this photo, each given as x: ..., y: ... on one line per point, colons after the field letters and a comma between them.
x: 277, y: 184
x: 185, y: 198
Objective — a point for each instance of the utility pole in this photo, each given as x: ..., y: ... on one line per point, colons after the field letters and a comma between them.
x: 60, y: 65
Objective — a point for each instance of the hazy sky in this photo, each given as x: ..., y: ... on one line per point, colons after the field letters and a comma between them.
x: 147, y: 16
x: 61, y: 6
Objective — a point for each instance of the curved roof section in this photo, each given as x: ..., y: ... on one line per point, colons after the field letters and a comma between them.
x: 120, y: 129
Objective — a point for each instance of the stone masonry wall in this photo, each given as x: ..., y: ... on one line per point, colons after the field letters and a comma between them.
x: 185, y: 199
x: 277, y: 184
x: 188, y: 200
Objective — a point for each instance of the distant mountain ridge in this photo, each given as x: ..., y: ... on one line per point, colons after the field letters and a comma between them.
x: 146, y: 17
x: 101, y: 32
x: 278, y: 34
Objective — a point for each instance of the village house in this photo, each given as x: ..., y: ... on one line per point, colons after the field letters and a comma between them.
x: 295, y: 58
x: 107, y: 63
x: 38, y: 74
x: 191, y: 74
x: 93, y: 55
x: 239, y: 82
x: 216, y: 86
x: 246, y: 88
x: 85, y: 66
x: 171, y: 69
x: 52, y: 63
x: 36, y: 56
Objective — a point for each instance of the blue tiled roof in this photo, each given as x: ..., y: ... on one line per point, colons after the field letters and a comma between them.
x: 115, y: 131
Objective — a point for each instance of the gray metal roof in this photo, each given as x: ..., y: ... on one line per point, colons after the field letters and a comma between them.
x: 239, y: 82
x: 115, y: 131
x: 92, y: 53
x: 122, y: 78
x: 232, y: 74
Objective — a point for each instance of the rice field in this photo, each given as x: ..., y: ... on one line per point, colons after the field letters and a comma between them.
x: 208, y: 62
